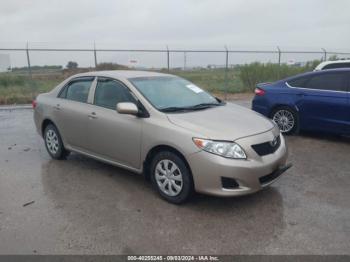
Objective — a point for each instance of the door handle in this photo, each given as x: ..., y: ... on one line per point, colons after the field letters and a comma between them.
x: 92, y: 115
x: 57, y: 107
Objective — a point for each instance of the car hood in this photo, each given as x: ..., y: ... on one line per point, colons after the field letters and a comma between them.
x: 227, y: 122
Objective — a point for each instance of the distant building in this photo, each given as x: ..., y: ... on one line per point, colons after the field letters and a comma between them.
x: 5, y: 63
x: 291, y: 62
x: 133, y: 63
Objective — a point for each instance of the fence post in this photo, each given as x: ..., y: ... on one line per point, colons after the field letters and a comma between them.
x: 168, y: 58
x: 95, y: 55
x: 185, y: 60
x: 325, y: 54
x: 279, y: 55
x: 28, y: 61
x: 226, y: 73
x: 279, y: 61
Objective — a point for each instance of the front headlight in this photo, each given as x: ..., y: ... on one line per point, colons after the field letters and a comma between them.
x: 221, y: 148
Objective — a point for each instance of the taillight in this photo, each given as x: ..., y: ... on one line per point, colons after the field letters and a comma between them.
x: 34, y: 103
x: 259, y: 92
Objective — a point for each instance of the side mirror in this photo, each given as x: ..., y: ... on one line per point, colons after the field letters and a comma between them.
x: 127, y: 108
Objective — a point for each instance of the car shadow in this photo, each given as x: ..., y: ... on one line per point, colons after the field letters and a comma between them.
x: 100, y: 201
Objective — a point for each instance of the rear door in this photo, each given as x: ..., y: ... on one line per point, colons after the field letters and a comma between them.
x: 324, y: 102
x: 71, y: 111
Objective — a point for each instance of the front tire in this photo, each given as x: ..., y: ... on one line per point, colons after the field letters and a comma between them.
x: 286, y: 119
x: 54, y: 144
x: 171, y: 177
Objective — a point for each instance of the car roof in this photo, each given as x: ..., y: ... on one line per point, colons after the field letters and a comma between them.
x: 123, y: 74
x: 318, y: 72
x: 323, y: 64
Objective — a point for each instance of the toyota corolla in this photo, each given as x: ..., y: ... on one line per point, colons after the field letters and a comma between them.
x: 179, y: 136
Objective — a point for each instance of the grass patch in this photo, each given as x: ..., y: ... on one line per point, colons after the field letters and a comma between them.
x: 213, y: 80
x: 21, y: 89
x: 7, y: 80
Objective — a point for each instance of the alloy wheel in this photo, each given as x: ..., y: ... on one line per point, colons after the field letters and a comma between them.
x: 284, y: 120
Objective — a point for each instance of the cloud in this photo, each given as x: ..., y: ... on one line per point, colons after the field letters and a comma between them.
x: 183, y: 23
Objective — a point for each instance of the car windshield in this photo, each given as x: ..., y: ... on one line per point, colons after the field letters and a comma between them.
x: 171, y: 94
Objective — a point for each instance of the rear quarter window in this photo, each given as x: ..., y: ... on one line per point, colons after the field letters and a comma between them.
x: 298, y: 82
x: 77, y: 90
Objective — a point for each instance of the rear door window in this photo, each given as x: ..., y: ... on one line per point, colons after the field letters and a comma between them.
x: 299, y: 81
x: 331, y: 81
x: 77, y: 90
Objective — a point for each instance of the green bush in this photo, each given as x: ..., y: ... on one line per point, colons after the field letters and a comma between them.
x: 254, y: 73
x: 7, y: 80
x: 111, y: 66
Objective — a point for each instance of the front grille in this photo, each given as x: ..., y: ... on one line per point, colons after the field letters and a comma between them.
x: 267, y: 148
x: 270, y: 177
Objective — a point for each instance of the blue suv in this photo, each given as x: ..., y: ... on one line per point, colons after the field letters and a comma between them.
x: 315, y: 101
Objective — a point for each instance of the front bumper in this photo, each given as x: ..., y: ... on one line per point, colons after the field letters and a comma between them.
x: 251, y: 175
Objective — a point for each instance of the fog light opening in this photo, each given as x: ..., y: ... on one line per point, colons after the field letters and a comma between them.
x: 229, y: 183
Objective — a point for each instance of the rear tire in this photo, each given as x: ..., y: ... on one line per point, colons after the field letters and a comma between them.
x: 287, y: 120
x: 54, y: 144
x: 171, y: 177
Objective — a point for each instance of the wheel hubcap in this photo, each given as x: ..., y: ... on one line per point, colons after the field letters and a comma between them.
x: 168, y: 177
x: 52, y: 141
x: 284, y: 119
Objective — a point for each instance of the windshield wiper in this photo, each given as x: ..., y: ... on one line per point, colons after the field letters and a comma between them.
x: 189, y: 108
x: 205, y: 105
x: 173, y: 109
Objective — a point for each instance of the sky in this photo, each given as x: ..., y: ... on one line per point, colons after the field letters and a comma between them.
x: 194, y: 24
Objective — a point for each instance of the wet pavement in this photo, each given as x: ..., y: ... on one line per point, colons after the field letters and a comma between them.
x: 81, y: 206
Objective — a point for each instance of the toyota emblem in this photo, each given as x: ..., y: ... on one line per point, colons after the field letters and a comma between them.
x: 273, y: 143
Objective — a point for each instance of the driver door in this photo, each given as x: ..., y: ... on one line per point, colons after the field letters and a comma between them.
x: 113, y: 136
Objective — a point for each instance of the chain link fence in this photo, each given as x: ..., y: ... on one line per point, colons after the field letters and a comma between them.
x: 178, y: 61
